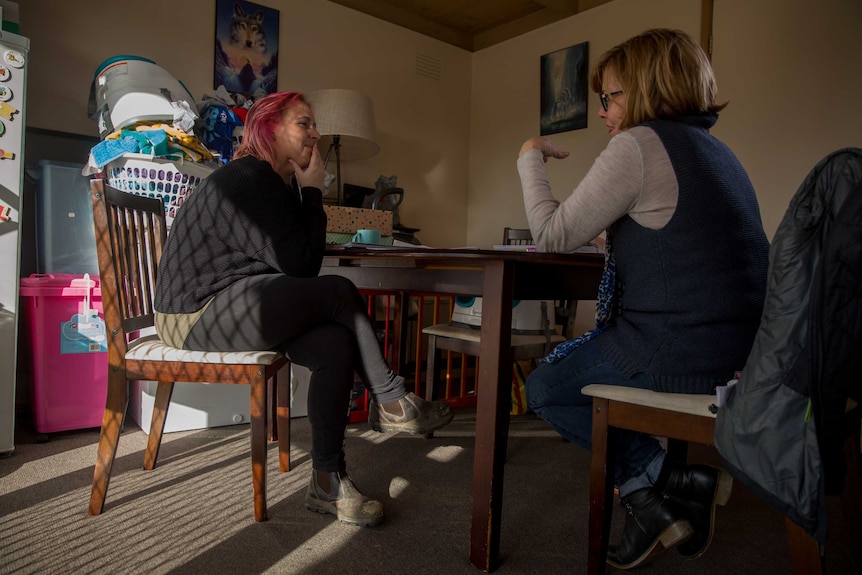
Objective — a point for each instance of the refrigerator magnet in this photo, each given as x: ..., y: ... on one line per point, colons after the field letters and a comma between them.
x: 14, y: 58
x: 7, y: 111
x: 5, y: 94
x: 5, y: 74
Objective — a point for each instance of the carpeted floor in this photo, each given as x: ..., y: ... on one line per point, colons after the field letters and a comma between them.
x: 193, y: 514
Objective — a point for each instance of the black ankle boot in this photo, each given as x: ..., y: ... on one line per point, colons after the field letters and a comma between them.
x: 653, y: 524
x: 696, y: 489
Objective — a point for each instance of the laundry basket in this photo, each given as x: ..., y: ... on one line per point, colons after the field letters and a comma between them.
x: 169, y: 180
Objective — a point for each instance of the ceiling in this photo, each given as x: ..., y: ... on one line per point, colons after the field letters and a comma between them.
x: 471, y: 24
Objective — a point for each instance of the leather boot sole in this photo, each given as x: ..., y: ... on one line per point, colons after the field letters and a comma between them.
x: 329, y: 507
x: 410, y: 427
x: 725, y: 486
x: 673, y: 535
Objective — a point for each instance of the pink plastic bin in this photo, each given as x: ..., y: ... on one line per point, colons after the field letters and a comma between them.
x: 66, y: 338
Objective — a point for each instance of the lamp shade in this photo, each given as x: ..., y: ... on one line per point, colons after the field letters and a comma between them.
x: 347, y: 114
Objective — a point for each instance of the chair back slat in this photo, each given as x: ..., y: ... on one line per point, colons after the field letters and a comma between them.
x: 517, y: 237
x: 130, y: 236
x: 135, y: 249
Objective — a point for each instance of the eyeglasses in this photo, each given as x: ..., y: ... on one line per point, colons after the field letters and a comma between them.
x: 605, y: 98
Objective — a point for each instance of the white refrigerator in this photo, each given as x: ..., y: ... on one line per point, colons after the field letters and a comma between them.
x: 13, y: 70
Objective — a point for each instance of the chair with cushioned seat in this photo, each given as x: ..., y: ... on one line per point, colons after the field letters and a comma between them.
x: 130, y: 235
x: 683, y: 419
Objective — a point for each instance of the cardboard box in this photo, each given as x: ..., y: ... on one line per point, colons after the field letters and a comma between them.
x: 346, y: 220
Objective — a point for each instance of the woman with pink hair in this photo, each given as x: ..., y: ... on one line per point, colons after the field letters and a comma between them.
x: 240, y: 272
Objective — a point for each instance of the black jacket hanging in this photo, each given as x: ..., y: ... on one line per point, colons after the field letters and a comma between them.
x: 778, y: 431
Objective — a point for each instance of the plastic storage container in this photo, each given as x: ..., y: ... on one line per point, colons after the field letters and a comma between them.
x: 65, y: 333
x: 65, y: 240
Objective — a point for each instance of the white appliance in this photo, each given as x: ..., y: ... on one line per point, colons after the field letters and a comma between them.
x: 129, y: 89
x: 13, y: 75
x: 528, y: 316
x: 204, y: 405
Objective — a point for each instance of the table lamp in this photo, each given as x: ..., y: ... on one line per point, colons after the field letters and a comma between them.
x: 345, y: 120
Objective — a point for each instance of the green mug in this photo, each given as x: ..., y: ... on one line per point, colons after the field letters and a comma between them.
x: 366, y: 237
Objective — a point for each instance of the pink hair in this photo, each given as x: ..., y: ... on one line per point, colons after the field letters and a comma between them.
x: 260, y: 124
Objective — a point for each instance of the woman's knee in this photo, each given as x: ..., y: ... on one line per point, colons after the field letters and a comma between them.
x: 326, y: 346
x: 557, y: 385
x: 536, y: 388
x: 339, y: 286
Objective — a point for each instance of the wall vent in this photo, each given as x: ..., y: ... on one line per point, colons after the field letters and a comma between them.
x: 428, y: 66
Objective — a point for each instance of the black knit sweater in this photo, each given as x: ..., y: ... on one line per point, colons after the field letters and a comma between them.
x: 690, y: 294
x: 242, y: 221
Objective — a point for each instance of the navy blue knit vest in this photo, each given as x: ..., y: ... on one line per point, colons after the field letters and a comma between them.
x: 689, y: 296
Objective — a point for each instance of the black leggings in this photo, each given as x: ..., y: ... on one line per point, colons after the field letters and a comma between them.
x: 320, y: 323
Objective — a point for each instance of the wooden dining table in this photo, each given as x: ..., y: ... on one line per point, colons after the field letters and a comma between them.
x: 499, y: 277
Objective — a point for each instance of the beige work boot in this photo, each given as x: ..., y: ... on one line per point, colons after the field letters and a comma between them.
x: 417, y: 416
x: 343, y: 500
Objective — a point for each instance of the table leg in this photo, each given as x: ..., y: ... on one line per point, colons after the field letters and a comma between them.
x: 492, y: 414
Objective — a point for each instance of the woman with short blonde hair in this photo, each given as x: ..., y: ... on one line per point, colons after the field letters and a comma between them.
x: 684, y: 281
x: 664, y: 75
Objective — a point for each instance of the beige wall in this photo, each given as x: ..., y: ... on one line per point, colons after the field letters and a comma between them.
x: 790, y: 69
x: 505, y: 107
x: 423, y: 124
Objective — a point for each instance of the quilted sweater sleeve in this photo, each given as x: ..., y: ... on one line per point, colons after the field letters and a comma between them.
x: 242, y: 221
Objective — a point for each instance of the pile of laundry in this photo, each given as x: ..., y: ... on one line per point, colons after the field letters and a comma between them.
x: 141, y: 109
x: 222, y: 116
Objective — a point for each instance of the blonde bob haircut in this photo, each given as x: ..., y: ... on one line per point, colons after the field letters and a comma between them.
x: 663, y: 73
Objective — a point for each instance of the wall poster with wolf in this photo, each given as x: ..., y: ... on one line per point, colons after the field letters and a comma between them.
x: 246, y: 48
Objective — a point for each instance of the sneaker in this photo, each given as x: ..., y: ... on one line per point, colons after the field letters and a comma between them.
x: 345, y: 501
x: 419, y: 416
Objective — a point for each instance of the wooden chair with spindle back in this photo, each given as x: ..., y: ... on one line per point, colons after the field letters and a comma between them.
x: 130, y: 237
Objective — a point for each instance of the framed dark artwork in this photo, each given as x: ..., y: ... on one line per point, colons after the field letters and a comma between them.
x: 246, y: 48
x: 564, y: 90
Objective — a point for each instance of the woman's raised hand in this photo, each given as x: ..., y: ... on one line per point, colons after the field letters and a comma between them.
x: 544, y: 145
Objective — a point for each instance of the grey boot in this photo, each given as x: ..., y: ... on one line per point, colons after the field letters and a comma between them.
x: 342, y: 500
x: 417, y: 417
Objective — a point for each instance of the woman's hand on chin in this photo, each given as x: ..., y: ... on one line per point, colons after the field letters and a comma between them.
x: 313, y: 174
